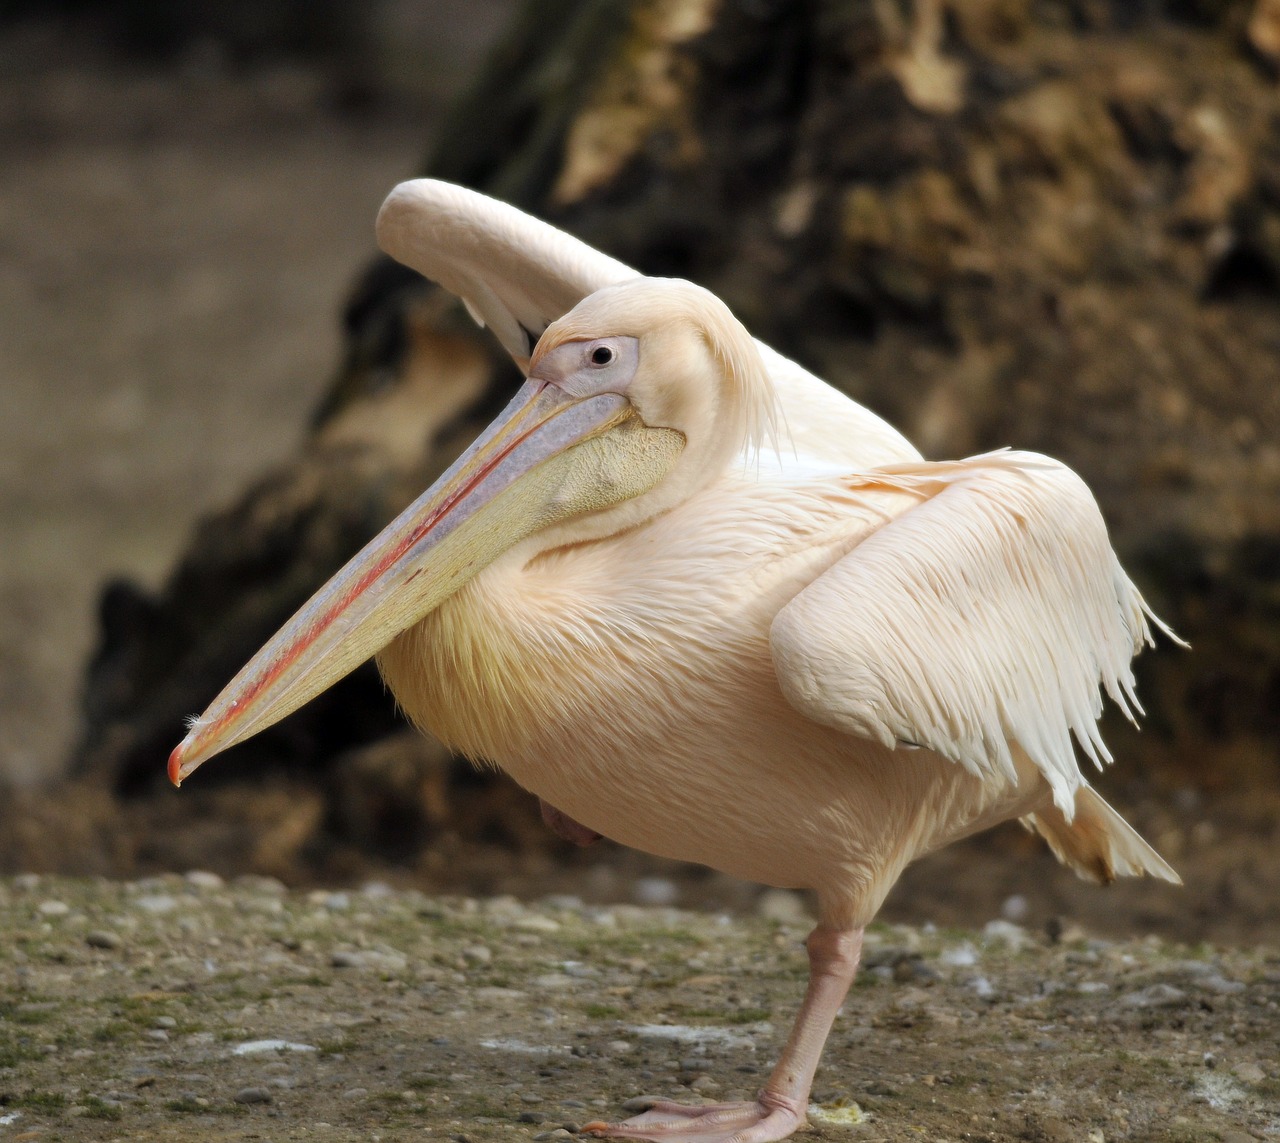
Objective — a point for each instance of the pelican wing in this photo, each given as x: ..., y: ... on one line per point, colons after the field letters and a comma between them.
x: 987, y: 613
x: 517, y: 274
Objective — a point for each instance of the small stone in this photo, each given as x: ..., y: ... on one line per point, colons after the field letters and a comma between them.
x: 638, y: 1103
x: 783, y: 907
x: 203, y: 879
x: 1222, y: 986
x: 1249, y: 1072
x: 536, y: 924
x: 355, y: 1093
x: 655, y: 891
x: 620, y: 1047
x: 1015, y: 936
x: 346, y: 959
x: 477, y: 954
x: 704, y: 1083
x: 1157, y: 996
x: 164, y: 1022
x: 530, y: 1097
x: 962, y: 956
x: 253, y: 1095
x: 1015, y: 908
x: 558, y: 1133
x: 529, y: 1117
x: 159, y: 1035
x: 103, y: 939
x: 53, y: 908
x: 156, y: 902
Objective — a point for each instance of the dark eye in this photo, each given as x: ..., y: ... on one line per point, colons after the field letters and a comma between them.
x: 602, y: 355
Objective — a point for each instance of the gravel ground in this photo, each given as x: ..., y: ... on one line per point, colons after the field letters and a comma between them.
x: 183, y: 1008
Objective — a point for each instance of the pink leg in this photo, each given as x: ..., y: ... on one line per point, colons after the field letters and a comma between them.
x: 780, y: 1107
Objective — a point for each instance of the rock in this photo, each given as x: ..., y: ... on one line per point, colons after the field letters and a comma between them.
x: 655, y: 891
x: 53, y: 908
x: 103, y: 939
x: 344, y: 958
x: 203, y: 879
x: 784, y: 907
x: 253, y: 1095
x: 639, y: 1103
x: 156, y: 902
x: 1156, y: 996
x: 1015, y: 908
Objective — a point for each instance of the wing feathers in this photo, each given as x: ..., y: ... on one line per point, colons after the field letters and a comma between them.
x: 988, y: 613
x: 515, y: 273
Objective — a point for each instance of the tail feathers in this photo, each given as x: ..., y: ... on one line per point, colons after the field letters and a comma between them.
x: 1098, y: 843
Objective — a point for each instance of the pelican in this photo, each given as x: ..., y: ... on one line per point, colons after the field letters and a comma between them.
x: 701, y: 603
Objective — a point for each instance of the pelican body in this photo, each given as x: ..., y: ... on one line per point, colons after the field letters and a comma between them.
x: 701, y: 603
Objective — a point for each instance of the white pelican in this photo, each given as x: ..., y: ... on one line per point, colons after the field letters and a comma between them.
x: 703, y: 604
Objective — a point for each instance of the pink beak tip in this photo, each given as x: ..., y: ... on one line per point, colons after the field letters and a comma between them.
x: 175, y: 765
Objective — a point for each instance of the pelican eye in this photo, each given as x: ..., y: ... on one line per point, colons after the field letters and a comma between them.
x: 602, y: 355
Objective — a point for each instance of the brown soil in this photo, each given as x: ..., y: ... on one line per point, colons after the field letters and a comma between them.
x: 187, y: 1009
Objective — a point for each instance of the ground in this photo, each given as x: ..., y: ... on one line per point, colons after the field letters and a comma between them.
x: 185, y: 1008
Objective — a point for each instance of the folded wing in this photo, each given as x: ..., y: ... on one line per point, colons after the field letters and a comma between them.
x: 991, y: 612
x: 517, y: 274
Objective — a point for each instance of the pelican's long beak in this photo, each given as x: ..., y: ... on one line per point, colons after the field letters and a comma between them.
x: 523, y: 473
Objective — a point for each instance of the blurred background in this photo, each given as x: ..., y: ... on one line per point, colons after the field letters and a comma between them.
x: 1051, y: 224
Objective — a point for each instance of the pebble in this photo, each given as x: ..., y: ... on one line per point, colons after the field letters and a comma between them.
x: 164, y: 1022
x: 639, y: 1103
x: 1156, y: 996
x: 1219, y: 984
x: 558, y: 1133
x: 103, y: 939
x: 536, y: 924
x: 159, y: 1035
x: 530, y: 1097
x: 1015, y: 936
x: 655, y: 891
x: 477, y: 954
x: 355, y: 1093
x: 53, y: 908
x: 1015, y: 908
x: 346, y: 959
x: 253, y: 1095
x: 961, y: 956
x: 783, y: 907
x: 620, y: 1047
x: 203, y: 879
x: 156, y: 902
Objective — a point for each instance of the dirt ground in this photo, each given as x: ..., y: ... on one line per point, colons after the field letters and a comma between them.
x: 186, y: 1008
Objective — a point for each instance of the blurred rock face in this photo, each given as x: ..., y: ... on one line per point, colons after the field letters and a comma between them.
x: 998, y: 222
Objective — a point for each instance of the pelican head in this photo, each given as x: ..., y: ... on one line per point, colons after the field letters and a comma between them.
x: 642, y: 393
